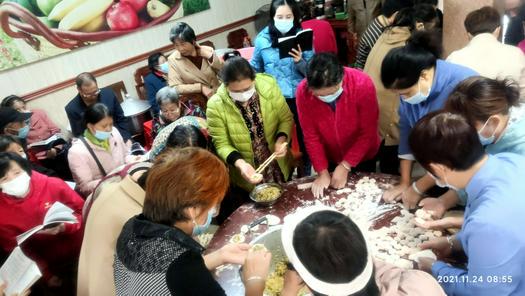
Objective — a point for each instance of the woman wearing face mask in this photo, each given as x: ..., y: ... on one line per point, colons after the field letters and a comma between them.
x: 492, y: 235
x: 192, y: 68
x: 423, y: 82
x: 405, y: 22
x: 330, y: 256
x: 171, y: 109
x: 156, y: 79
x: 493, y: 108
x: 249, y: 120
x: 24, y: 201
x: 183, y: 192
x: 98, y: 151
x: 284, y: 21
x: 12, y: 144
x: 14, y: 123
x: 339, y: 113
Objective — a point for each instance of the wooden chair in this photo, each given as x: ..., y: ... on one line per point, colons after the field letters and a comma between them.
x: 238, y: 39
x: 118, y: 88
x: 139, y: 75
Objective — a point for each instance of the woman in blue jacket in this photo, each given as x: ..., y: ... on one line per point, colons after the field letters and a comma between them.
x: 156, y: 79
x: 423, y: 82
x: 284, y: 21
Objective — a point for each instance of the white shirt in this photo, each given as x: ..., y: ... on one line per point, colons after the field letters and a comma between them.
x: 492, y: 59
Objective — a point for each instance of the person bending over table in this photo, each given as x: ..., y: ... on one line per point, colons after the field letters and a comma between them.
x: 330, y: 256
x: 493, y: 108
x: 339, y: 114
x: 248, y: 119
x: 423, y: 82
x: 492, y: 234
x: 156, y: 252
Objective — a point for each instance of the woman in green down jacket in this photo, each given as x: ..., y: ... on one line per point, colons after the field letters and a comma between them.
x: 248, y: 120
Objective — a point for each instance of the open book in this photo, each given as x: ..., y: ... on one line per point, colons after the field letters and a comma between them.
x: 58, y: 213
x: 19, y: 272
x: 305, y: 39
x: 54, y: 140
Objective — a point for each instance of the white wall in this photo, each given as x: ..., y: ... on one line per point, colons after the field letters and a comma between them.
x: 38, y: 75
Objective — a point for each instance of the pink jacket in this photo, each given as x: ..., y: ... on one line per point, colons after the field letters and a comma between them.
x: 84, y: 168
x: 395, y: 281
x: 41, y: 127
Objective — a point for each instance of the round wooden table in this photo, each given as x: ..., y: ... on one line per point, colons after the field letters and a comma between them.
x: 292, y: 198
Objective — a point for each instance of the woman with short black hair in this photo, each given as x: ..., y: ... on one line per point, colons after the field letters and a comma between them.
x: 25, y: 199
x: 423, y: 82
x: 330, y: 256
x: 339, y: 113
x: 193, y: 68
x: 492, y: 235
x: 186, y: 136
x: 248, y: 120
x: 98, y: 151
x: 156, y: 79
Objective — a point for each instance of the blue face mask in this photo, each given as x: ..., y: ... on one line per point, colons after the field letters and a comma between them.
x: 417, y: 98
x: 443, y: 185
x: 200, y: 229
x: 102, y: 135
x: 284, y: 26
x: 332, y: 97
x: 484, y: 140
x: 164, y: 68
x: 22, y: 133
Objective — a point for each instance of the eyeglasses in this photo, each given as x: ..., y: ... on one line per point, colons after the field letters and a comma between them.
x: 93, y: 94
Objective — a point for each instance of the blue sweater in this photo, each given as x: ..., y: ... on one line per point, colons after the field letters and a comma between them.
x: 153, y: 84
x: 492, y: 235
x: 446, y: 77
x: 266, y: 60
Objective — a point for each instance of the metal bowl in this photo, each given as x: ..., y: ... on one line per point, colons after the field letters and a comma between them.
x: 260, y: 187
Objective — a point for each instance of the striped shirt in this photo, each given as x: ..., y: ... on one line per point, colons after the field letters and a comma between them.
x: 369, y: 39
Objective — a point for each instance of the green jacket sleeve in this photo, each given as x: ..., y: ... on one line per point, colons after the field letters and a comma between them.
x: 284, y: 114
x: 217, y: 128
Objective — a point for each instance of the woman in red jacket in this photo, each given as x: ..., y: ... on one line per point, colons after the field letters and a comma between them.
x: 24, y: 201
x: 338, y: 111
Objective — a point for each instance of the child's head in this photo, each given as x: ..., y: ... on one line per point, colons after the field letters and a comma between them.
x: 10, y: 143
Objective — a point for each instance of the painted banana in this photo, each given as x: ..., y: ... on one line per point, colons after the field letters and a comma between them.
x: 62, y: 8
x: 83, y: 14
x: 95, y: 25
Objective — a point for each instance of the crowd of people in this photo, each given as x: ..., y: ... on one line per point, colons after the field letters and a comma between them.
x: 217, y: 119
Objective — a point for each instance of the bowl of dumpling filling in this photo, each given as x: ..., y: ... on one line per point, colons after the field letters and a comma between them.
x: 266, y: 194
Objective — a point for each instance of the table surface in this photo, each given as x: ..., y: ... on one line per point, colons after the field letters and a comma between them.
x: 291, y: 199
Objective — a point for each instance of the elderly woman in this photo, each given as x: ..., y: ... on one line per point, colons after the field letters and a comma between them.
x: 248, y: 120
x: 171, y: 109
x: 339, y: 113
x: 492, y: 235
x: 423, y: 82
x: 492, y: 107
x: 330, y: 256
x: 24, y: 202
x: 192, y: 68
x: 156, y: 254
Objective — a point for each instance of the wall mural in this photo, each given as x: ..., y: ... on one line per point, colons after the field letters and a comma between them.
x: 31, y: 30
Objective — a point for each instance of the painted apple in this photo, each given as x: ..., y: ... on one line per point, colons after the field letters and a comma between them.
x: 138, y: 5
x: 121, y: 16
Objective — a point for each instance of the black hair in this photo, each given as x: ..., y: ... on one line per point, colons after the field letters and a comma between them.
x: 10, y: 100
x: 7, y: 140
x: 236, y: 69
x: 402, y: 66
x: 96, y: 113
x: 186, y: 136
x: 392, y: 6
x: 427, y: 14
x: 406, y: 17
x: 5, y: 163
x: 333, y: 249
x: 430, y: 2
x: 230, y: 55
x: 83, y: 78
x: 276, y: 34
x: 182, y: 31
x: 483, y: 20
x: 324, y: 70
x: 153, y: 60
x: 455, y: 142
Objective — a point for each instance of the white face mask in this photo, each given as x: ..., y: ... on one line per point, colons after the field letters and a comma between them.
x: 18, y: 187
x: 242, y: 96
x: 443, y: 185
